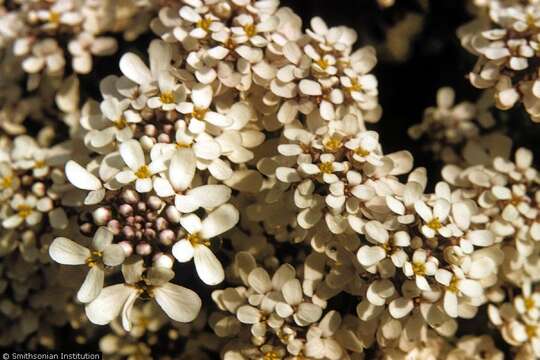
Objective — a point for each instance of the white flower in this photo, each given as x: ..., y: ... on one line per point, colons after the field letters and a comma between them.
x: 386, y: 246
x: 25, y: 212
x: 170, y: 93
x: 178, y: 183
x: 303, y: 312
x: 196, y: 244
x: 421, y: 266
x: 203, y: 24
x: 102, y: 253
x: 179, y: 303
x: 456, y: 286
x: 434, y: 219
x: 198, y: 110
x: 9, y: 182
x: 142, y: 80
x: 133, y: 155
x: 116, y: 113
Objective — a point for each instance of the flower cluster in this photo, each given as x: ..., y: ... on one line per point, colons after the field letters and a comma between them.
x: 506, y: 39
x: 224, y: 193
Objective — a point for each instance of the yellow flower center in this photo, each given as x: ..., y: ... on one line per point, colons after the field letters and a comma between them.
x: 196, y: 239
x: 199, y: 113
x: 182, y: 145
x: 166, y: 97
x: 143, y: 172
x: 323, y: 64
x: 250, y: 30
x: 6, y: 182
x: 271, y: 355
x: 419, y: 269
x: 120, y: 123
x: 434, y: 224
x: 360, y: 151
x: 453, y: 286
x: 24, y: 210
x: 531, y: 21
x: 355, y: 86
x: 516, y: 200
x: 40, y: 164
x: 54, y: 17
x: 529, y: 303
x: 333, y: 144
x: 94, y: 258
x: 531, y: 330
x: 204, y: 24
x: 326, y: 167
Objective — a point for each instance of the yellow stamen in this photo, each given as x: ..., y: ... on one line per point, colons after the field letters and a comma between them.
x: 531, y: 330
x: 529, y: 303
x: 434, y: 224
x: 199, y: 113
x: 166, y: 97
x: 40, y: 164
x: 6, y: 182
x: 323, y: 64
x: 360, y: 151
x: 143, y: 172
x: 182, y: 145
x: 333, y: 144
x: 120, y: 123
x: 250, y: 30
x: 355, y: 86
x: 516, y: 200
x: 326, y: 167
x: 419, y: 269
x: 54, y: 17
x: 271, y: 355
x: 94, y: 258
x: 24, y: 210
x: 453, y: 286
x: 204, y: 24
x: 196, y: 239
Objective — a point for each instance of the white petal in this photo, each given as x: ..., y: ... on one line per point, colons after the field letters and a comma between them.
x: 441, y: 209
x: 470, y: 288
x: 310, y: 87
x: 201, y: 95
x: 481, y: 237
x: 113, y: 255
x: 423, y: 210
x: 183, y: 251
x: 182, y: 169
x: 135, y: 69
x: 160, y: 55
x: 102, y: 238
x: 370, y: 255
x: 179, y: 303
x: 307, y: 314
x: 80, y: 177
x: 191, y: 223
x: 210, y: 196
x: 92, y: 285
x: 132, y: 154
x: 107, y: 306
x: 208, y: 266
x: 126, y: 311
x: 219, y: 221
x: 68, y: 252
x: 292, y: 292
